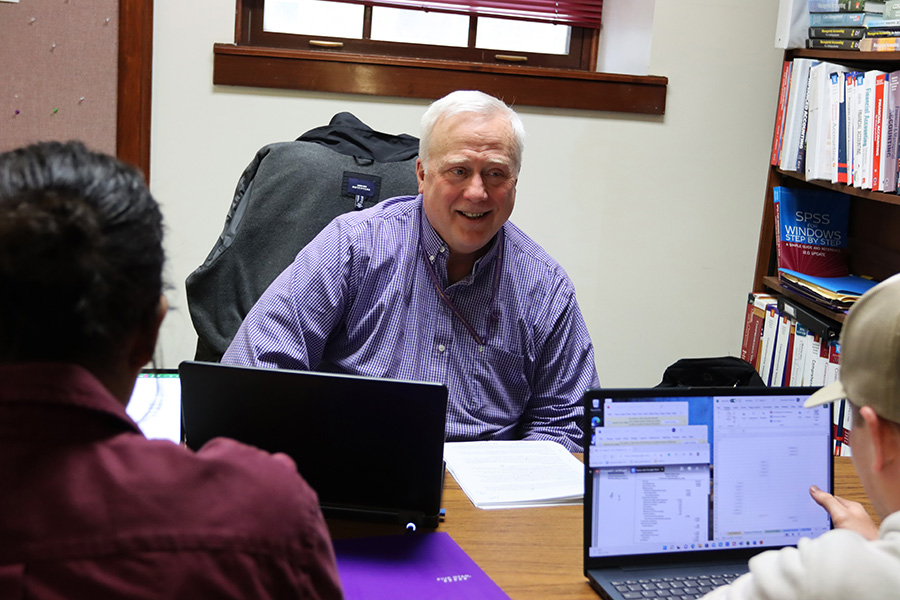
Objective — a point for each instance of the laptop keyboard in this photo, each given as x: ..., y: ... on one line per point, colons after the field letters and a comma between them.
x: 673, y: 588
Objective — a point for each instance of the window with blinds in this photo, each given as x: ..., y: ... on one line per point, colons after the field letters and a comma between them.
x: 539, y: 33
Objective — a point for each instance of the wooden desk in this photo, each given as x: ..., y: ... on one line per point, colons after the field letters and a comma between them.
x: 536, y: 553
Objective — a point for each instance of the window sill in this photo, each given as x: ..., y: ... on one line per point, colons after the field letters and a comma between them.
x: 329, y: 71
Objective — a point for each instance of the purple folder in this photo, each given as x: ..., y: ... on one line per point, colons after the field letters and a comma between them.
x: 422, y: 566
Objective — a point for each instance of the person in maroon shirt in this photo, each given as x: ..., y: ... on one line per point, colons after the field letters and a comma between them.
x: 89, y: 508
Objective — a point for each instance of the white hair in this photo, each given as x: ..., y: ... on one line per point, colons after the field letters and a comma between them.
x: 473, y: 101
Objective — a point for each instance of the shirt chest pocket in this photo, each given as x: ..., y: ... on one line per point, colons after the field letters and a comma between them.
x: 502, y: 389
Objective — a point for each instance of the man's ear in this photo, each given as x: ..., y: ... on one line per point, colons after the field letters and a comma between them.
x: 145, y: 338
x: 884, y: 436
x: 420, y: 173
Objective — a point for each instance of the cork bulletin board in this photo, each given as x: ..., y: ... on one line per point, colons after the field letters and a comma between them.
x: 58, y: 72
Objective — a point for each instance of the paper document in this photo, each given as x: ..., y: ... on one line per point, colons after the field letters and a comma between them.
x: 516, y: 474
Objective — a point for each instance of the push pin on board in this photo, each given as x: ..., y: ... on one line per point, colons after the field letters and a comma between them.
x: 17, y: 112
x: 55, y: 110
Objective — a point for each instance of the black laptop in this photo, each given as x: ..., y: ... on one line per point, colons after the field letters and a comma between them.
x: 684, y: 485
x: 371, y: 448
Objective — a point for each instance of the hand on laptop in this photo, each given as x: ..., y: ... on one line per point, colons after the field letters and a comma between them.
x: 846, y: 514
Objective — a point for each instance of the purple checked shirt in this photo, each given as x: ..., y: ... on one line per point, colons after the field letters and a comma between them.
x: 360, y: 299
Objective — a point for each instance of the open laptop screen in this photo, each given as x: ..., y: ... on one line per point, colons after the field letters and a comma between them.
x: 155, y: 404
x: 672, y: 471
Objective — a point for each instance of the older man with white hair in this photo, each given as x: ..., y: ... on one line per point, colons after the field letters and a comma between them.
x: 440, y: 287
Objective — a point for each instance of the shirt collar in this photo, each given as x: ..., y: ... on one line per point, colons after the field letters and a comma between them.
x: 59, y: 384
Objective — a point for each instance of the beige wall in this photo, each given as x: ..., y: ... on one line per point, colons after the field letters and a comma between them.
x: 656, y: 220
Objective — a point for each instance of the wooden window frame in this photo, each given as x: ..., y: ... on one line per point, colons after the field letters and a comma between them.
x: 582, y: 55
x: 135, y: 82
x: 339, y: 71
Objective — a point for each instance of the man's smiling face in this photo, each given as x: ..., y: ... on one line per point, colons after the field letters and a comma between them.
x: 469, y: 185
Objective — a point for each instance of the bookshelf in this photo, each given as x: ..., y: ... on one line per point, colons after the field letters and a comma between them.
x: 874, y: 229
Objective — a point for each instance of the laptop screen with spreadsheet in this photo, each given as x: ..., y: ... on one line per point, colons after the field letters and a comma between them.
x: 672, y: 472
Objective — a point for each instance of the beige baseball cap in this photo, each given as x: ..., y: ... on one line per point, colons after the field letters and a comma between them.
x: 870, y: 354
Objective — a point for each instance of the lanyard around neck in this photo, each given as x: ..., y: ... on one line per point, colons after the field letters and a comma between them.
x: 494, y: 314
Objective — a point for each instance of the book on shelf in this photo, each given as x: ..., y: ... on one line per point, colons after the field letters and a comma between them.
x: 882, y: 33
x: 838, y: 128
x: 875, y: 7
x: 836, y: 5
x: 791, y: 157
x: 411, y: 567
x: 837, y: 19
x: 811, y: 230
x: 842, y: 33
x: 798, y: 360
x: 833, y: 44
x: 853, y: 88
x: 887, y: 180
x: 866, y: 101
x: 877, y: 124
x: 846, y: 147
x: 753, y: 326
x: 879, y: 44
x: 892, y: 9
x: 768, y: 343
x: 875, y: 21
x: 817, y: 159
x: 781, y: 111
x: 783, y: 353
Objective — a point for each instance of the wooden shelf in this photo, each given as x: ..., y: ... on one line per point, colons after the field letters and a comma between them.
x: 844, y: 188
x: 873, y: 245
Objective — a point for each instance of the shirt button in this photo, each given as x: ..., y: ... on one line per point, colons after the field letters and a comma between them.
x: 431, y: 258
x: 443, y: 249
x: 441, y: 347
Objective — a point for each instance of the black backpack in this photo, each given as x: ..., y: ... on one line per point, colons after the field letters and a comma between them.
x: 726, y: 371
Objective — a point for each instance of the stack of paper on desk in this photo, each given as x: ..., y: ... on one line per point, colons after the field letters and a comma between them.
x: 516, y: 474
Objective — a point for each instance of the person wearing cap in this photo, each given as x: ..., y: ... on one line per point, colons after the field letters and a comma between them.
x: 857, y: 559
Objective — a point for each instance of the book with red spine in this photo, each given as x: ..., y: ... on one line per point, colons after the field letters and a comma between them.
x: 780, y: 113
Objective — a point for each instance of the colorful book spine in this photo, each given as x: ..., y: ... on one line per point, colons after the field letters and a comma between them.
x: 837, y: 19
x: 875, y: 21
x: 781, y: 111
x: 879, y: 44
x: 892, y: 137
x: 882, y: 33
x: 798, y: 360
x: 833, y: 44
x: 877, y: 138
x: 839, y: 166
x: 843, y: 33
x: 836, y: 5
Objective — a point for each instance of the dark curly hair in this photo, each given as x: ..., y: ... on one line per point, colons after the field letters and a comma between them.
x: 80, y: 253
